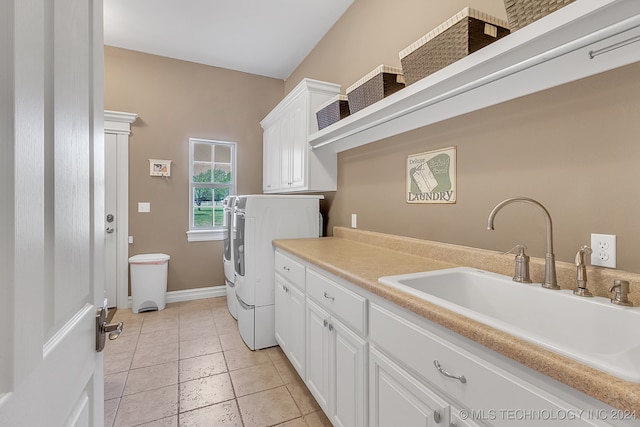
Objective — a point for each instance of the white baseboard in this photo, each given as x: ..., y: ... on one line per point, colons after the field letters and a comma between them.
x: 194, y: 294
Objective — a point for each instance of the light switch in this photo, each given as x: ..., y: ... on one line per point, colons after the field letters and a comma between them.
x: 144, y: 207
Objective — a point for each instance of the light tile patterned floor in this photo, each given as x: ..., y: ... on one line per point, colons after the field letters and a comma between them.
x: 187, y: 366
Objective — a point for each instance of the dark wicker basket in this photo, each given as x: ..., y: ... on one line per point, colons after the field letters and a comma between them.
x: 331, y: 112
x: 521, y: 13
x: 463, y: 34
x: 378, y: 84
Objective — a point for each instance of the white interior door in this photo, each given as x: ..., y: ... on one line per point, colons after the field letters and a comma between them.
x: 112, y: 219
x: 117, y: 128
x: 52, y: 222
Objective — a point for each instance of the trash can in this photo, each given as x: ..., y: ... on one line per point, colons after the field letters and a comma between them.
x: 148, y: 281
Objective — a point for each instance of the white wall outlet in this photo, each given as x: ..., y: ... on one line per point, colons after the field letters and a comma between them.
x: 604, y: 250
x: 354, y: 220
x: 144, y: 207
x: 130, y: 240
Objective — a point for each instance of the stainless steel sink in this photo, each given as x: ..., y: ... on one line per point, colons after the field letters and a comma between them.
x: 590, y: 330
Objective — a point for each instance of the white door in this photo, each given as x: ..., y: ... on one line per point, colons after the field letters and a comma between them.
x: 117, y: 128
x: 112, y: 219
x: 52, y: 207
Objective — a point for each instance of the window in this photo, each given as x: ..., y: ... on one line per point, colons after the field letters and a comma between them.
x: 212, y: 168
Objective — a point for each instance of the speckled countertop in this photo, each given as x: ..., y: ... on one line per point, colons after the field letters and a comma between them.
x: 361, y: 257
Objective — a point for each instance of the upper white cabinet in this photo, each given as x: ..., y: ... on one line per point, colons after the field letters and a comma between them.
x: 582, y: 39
x: 289, y: 165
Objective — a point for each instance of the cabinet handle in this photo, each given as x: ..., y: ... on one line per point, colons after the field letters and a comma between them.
x: 326, y: 322
x: 327, y: 296
x: 460, y: 378
x: 437, y: 417
x: 285, y: 268
x: 330, y: 327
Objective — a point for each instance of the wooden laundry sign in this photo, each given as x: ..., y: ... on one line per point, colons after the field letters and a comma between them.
x: 431, y: 176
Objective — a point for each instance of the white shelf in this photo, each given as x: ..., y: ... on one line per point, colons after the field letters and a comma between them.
x: 582, y: 39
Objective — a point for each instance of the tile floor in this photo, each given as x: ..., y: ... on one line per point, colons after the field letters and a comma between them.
x: 187, y: 366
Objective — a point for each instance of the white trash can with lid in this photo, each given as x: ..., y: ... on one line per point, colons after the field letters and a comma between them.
x: 148, y: 281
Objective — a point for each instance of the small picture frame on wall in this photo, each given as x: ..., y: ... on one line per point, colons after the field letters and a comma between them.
x: 431, y: 177
x: 159, y: 167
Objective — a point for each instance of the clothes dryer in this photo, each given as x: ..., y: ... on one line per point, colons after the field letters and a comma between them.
x: 260, y: 219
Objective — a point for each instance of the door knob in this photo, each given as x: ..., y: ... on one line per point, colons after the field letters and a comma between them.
x: 102, y: 327
x: 114, y: 330
x: 109, y: 230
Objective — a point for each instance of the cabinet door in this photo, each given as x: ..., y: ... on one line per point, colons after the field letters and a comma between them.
x: 348, y: 377
x: 299, y: 146
x: 398, y: 399
x: 286, y: 141
x: 282, y: 315
x: 271, y: 158
x: 296, y: 345
x: 318, y: 354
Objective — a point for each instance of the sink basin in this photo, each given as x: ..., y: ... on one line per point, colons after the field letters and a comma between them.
x: 592, y: 331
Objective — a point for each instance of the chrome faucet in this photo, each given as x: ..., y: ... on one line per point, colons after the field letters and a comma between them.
x: 550, y: 281
x: 621, y: 289
x: 521, y: 273
x: 581, y: 273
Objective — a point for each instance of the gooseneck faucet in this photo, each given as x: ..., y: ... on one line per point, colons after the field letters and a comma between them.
x: 550, y: 281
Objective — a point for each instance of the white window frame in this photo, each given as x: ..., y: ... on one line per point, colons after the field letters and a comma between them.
x: 216, y: 232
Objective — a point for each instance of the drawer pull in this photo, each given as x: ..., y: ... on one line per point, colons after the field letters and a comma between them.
x: 327, y: 296
x: 460, y: 378
x: 437, y: 417
x: 326, y: 322
x: 330, y: 327
x: 285, y: 268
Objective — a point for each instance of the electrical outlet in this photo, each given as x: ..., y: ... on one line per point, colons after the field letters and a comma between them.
x: 604, y: 250
x: 354, y: 220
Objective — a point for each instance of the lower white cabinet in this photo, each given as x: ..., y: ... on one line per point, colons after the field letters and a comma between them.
x: 398, y: 399
x: 290, y: 321
x: 369, y: 362
x: 290, y: 309
x: 336, y: 368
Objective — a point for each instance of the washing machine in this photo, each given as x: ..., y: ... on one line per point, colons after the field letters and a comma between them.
x: 227, y: 256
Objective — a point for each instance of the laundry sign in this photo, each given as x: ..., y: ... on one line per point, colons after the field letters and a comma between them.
x: 431, y: 176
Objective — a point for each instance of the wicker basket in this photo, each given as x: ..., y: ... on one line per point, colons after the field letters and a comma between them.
x: 523, y: 12
x: 464, y: 33
x: 337, y: 108
x: 378, y: 84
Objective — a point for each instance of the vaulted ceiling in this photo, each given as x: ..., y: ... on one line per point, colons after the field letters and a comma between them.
x: 264, y: 37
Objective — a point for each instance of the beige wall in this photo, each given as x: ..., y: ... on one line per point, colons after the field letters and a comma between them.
x: 176, y: 100
x: 574, y: 148
x: 372, y: 32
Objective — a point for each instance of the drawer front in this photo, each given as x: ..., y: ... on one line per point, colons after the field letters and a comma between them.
x: 291, y: 270
x: 419, y: 349
x: 341, y: 302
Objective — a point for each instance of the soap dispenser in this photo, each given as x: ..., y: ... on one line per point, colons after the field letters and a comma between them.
x: 521, y: 273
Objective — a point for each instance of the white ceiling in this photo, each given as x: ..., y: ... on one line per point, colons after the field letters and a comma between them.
x: 264, y: 37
